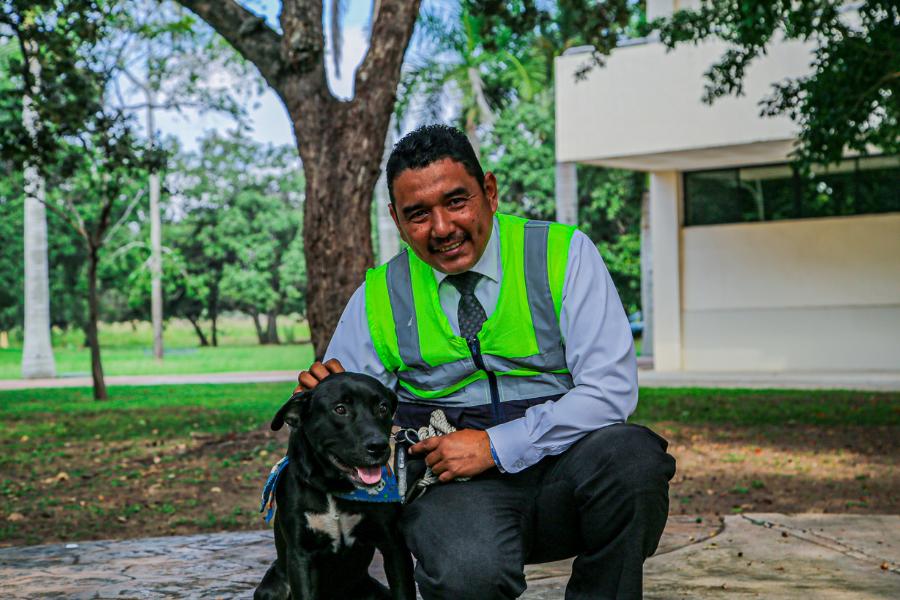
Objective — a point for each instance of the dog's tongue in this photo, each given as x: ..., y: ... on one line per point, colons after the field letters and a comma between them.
x: 369, y: 475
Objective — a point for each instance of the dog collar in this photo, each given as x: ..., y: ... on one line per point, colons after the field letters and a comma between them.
x: 387, y: 490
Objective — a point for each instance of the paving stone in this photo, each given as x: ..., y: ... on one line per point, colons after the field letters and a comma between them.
x: 761, y: 556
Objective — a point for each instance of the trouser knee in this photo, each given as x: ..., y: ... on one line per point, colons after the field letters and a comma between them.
x: 474, y: 577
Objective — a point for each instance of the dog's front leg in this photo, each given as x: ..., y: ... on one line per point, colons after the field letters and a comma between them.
x: 300, y: 576
x: 398, y: 566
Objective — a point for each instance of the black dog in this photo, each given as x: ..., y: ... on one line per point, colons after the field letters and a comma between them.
x: 338, y: 445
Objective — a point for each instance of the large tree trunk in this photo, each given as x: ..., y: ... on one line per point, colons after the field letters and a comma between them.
x: 37, y: 351
x: 341, y: 143
x: 93, y: 338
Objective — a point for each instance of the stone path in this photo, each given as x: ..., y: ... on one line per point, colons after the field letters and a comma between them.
x: 751, y: 556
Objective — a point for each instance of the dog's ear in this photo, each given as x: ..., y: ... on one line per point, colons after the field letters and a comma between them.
x: 394, y: 400
x: 292, y: 412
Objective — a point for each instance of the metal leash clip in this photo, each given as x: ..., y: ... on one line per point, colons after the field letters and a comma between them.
x: 403, y: 440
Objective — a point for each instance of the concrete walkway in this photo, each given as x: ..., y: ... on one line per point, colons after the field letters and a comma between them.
x: 750, y: 556
x: 883, y: 381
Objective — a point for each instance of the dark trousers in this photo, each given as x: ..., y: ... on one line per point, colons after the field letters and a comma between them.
x: 604, y: 500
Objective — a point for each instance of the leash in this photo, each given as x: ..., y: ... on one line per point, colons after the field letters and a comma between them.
x: 437, y: 425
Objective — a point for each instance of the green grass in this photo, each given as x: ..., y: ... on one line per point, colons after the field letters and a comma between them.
x: 125, y: 350
x: 768, y: 407
x: 175, y: 411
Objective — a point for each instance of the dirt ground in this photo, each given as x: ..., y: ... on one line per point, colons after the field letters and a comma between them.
x: 101, y: 490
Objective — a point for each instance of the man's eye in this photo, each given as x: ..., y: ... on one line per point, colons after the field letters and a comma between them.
x: 457, y: 201
x: 340, y: 409
x: 418, y: 216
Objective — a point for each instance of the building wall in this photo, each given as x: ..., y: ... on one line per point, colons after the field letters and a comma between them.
x: 816, y: 295
x: 643, y: 109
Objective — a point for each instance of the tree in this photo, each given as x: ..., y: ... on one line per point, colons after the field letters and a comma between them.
x: 162, y: 55
x: 90, y: 150
x: 851, y: 98
x: 240, y: 231
x: 340, y: 142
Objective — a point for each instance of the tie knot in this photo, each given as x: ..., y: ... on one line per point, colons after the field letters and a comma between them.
x: 465, y: 282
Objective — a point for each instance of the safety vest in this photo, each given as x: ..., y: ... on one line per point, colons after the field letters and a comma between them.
x: 518, y: 358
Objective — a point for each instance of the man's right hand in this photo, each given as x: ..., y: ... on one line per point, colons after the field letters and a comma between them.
x: 318, y: 371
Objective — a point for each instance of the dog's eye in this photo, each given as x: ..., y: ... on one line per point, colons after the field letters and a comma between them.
x: 340, y: 409
x: 382, y: 409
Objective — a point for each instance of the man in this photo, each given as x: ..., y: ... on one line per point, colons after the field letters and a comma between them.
x: 514, y: 329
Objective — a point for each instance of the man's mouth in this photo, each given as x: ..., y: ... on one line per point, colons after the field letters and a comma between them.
x: 363, y: 476
x: 448, y: 247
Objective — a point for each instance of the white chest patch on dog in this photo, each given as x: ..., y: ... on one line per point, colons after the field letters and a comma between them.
x: 335, y: 524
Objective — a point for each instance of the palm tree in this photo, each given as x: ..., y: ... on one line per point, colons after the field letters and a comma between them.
x: 37, y: 351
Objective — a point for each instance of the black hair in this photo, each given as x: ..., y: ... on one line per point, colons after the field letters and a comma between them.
x: 428, y: 144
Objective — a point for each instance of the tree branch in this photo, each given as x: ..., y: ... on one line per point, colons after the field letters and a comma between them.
x: 246, y: 32
x: 392, y: 28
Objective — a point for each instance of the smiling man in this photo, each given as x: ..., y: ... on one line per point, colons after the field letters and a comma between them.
x: 512, y: 328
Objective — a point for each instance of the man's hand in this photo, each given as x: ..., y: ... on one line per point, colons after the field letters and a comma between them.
x: 463, y: 453
x: 318, y: 371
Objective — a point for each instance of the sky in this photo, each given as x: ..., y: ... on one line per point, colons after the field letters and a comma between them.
x: 269, y: 121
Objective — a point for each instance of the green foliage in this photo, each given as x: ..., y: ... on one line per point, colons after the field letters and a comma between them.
x: 239, y: 231
x: 851, y: 98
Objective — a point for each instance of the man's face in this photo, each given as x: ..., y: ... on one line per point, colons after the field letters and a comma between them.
x: 444, y: 215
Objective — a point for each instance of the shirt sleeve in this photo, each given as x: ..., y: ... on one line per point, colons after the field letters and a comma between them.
x: 352, y: 343
x: 600, y: 356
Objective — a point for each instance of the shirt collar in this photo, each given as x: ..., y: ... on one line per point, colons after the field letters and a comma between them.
x: 489, y: 263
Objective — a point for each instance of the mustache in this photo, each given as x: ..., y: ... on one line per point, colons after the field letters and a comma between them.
x: 434, y: 245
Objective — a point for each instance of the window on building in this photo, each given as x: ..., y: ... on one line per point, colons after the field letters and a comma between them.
x: 770, y: 193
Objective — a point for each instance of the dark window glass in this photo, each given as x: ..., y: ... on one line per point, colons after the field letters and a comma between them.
x: 776, y: 192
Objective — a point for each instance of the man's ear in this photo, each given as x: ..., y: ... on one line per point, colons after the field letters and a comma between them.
x: 490, y: 191
x: 292, y: 412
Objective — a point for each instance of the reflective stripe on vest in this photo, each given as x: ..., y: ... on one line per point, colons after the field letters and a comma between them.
x: 520, y: 342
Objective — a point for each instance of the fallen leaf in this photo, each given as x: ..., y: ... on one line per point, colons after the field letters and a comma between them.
x: 14, y: 517
x: 884, y: 565
x: 24, y: 438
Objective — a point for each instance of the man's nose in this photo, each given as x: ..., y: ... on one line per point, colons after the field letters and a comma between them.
x: 441, y: 224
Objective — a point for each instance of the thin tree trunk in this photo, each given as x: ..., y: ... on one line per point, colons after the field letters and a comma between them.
x: 260, y: 334
x: 92, y: 335
x: 214, y: 317
x: 272, y: 327
x: 199, y: 332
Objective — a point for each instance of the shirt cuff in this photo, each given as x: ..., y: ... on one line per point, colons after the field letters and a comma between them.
x: 495, y: 457
x: 511, y: 446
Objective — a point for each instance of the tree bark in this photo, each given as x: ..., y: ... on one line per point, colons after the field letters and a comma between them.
x: 272, y: 327
x: 340, y: 143
x: 37, y: 350
x: 93, y: 338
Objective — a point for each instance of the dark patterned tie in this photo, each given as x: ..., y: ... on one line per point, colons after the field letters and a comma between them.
x: 470, y: 313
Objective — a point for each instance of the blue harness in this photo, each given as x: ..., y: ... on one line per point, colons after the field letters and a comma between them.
x: 386, y: 490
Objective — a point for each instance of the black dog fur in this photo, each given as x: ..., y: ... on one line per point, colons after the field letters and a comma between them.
x: 343, y: 423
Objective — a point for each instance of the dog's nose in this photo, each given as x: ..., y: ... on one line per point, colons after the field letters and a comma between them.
x: 377, y: 449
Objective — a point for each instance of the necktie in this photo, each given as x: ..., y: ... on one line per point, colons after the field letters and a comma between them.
x: 470, y: 313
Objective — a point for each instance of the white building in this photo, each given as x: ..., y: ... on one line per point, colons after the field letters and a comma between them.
x: 754, y: 269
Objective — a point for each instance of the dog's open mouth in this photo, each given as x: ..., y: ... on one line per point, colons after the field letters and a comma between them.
x: 362, y: 476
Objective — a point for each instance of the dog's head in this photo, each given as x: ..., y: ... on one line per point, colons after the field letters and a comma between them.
x: 346, y: 422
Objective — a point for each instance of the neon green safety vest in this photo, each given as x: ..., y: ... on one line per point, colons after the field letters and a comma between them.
x: 519, y: 353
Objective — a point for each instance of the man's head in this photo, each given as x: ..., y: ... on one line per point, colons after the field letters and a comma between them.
x: 441, y: 201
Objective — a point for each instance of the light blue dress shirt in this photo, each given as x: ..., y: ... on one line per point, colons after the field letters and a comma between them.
x: 599, y: 354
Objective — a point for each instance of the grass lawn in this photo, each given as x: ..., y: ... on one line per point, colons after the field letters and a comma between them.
x: 182, y: 459
x: 126, y: 350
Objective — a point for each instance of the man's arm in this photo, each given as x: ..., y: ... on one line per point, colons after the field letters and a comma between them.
x: 600, y: 356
